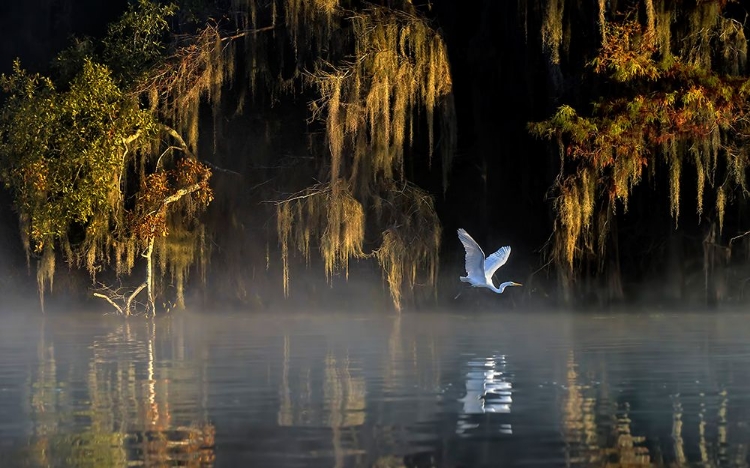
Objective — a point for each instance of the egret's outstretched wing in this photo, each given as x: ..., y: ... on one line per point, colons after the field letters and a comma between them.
x: 474, y: 256
x: 495, y: 261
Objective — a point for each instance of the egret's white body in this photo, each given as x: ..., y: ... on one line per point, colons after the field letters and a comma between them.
x: 479, y: 270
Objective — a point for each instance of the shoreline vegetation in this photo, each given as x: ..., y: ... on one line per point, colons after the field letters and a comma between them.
x: 270, y: 153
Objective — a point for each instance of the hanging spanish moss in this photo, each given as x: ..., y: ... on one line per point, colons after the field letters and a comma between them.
x: 177, y: 254
x: 408, y: 253
x: 329, y: 209
x: 680, y: 110
x: 195, y: 72
x: 370, y: 106
x: 552, y: 29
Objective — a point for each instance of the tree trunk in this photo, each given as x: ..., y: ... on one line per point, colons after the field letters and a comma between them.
x: 151, y: 306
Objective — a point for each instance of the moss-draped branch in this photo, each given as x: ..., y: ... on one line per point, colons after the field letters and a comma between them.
x: 673, y: 113
x: 78, y: 146
x: 370, y: 104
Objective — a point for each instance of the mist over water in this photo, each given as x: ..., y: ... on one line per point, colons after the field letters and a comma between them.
x: 349, y: 388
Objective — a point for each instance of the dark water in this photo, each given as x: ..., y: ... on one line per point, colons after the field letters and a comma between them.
x: 376, y: 390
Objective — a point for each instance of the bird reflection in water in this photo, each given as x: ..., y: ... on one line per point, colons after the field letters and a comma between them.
x: 488, y: 390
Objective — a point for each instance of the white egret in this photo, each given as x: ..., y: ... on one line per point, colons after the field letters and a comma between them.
x: 479, y: 270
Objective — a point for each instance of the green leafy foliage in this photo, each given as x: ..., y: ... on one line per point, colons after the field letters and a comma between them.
x: 63, y: 152
x: 137, y: 41
x: 74, y: 150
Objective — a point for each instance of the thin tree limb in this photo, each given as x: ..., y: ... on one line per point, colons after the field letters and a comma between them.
x: 182, y: 146
x: 108, y: 299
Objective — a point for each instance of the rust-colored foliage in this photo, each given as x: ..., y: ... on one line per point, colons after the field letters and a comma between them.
x: 192, y: 173
x: 667, y: 113
x: 627, y: 52
x: 188, y: 179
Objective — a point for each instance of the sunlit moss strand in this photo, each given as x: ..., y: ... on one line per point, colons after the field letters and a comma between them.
x: 700, y: 179
x: 675, y: 169
x: 721, y: 202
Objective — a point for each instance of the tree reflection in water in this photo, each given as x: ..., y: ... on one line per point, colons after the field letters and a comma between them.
x: 384, y: 391
x: 597, y: 426
x: 125, y: 419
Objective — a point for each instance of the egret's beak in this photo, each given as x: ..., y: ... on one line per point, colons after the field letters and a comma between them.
x: 516, y: 284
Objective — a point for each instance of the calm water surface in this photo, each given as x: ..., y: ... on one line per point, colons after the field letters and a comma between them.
x: 376, y: 390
